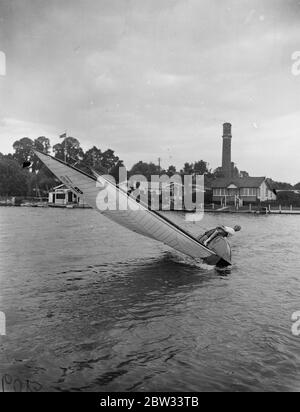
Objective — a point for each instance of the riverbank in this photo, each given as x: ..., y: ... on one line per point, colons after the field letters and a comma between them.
x: 46, y: 205
x: 228, y: 210
x: 209, y: 208
x: 264, y: 211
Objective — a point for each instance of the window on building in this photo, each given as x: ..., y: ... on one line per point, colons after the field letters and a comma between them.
x: 60, y: 196
x: 245, y: 192
x: 219, y: 192
x: 249, y: 192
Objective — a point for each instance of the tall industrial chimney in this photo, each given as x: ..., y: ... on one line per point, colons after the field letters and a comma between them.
x: 226, y: 158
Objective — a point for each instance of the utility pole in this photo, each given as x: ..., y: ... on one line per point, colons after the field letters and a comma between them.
x: 64, y: 136
x: 159, y: 163
x: 66, y: 149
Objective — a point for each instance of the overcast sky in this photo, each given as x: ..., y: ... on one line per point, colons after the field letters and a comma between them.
x: 152, y: 78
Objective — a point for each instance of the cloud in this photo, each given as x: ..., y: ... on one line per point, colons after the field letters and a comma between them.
x: 151, y: 78
x: 275, y: 146
x: 161, y: 80
x: 14, y: 129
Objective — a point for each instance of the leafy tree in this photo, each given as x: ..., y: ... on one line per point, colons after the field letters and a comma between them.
x: 8, y: 156
x: 288, y: 198
x: 16, y: 181
x: 109, y: 159
x: 208, y: 196
x: 40, y: 183
x: 23, y: 150
x: 171, y: 171
x: 40, y: 175
x: 42, y: 144
x: 59, y: 151
x: 13, y: 179
x: 114, y: 171
x: 104, y: 162
x: 279, y: 185
x: 188, y: 168
x: 93, y: 158
x: 145, y: 169
x: 201, y: 167
x: 297, y: 186
x: 71, y: 147
x: 218, y: 173
x: 243, y: 174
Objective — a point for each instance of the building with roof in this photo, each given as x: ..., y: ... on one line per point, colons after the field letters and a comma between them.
x: 62, y: 196
x: 242, y: 190
x: 238, y: 190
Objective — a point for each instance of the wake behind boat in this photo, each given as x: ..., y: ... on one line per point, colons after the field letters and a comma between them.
x: 136, y: 216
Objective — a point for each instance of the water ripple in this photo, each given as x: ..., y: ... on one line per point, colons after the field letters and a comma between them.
x: 105, y: 310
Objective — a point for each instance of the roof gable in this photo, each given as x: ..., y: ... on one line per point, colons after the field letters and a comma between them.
x: 246, y: 182
x: 59, y: 187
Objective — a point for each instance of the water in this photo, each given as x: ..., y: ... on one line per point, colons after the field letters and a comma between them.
x: 93, y: 307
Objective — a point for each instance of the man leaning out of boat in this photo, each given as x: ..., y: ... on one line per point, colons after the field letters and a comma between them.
x: 220, y: 231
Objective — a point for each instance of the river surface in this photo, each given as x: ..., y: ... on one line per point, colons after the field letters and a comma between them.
x: 91, y: 306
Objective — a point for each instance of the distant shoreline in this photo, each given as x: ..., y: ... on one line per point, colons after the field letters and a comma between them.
x: 243, y: 212
x: 206, y: 210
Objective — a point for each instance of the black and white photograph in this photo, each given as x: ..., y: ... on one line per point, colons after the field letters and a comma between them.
x: 149, y: 199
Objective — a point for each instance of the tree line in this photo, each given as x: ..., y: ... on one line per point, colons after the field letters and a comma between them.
x: 38, y: 181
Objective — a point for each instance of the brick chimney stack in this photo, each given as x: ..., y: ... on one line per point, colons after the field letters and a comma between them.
x: 226, y: 158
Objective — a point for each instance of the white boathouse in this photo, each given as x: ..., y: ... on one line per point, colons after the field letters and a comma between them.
x: 62, y: 196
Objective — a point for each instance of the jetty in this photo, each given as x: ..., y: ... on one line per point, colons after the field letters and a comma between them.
x: 254, y: 209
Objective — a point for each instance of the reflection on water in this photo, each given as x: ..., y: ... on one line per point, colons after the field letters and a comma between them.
x: 91, y: 306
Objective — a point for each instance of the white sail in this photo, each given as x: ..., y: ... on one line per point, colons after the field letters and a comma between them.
x: 129, y: 213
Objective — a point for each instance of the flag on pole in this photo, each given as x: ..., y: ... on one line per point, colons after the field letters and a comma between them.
x: 63, y: 136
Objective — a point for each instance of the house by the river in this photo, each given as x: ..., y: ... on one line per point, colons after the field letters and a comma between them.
x: 61, y: 196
